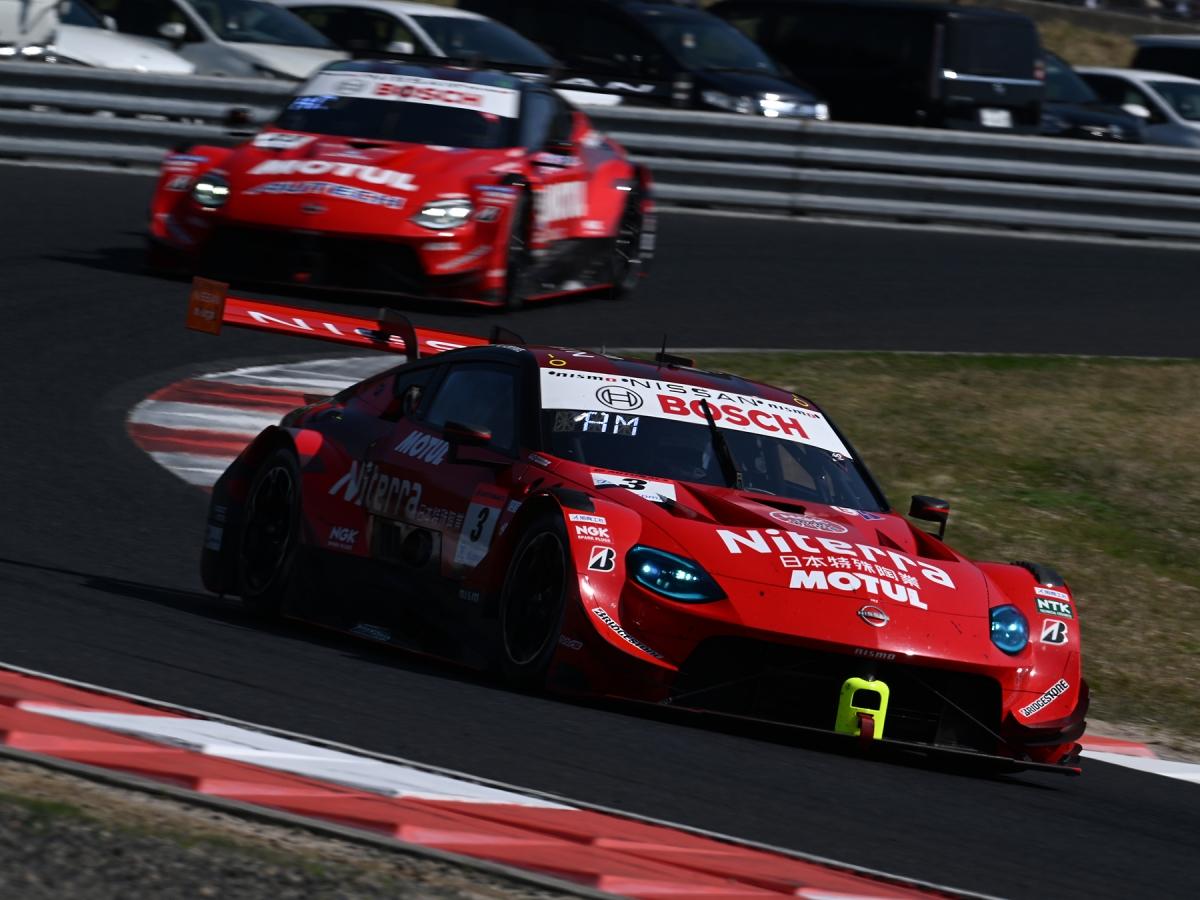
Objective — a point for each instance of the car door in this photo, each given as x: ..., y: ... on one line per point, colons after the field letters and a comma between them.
x: 1120, y: 92
x: 442, y: 498
x: 559, y: 176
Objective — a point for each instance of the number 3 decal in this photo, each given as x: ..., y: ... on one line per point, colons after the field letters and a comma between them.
x: 481, y: 518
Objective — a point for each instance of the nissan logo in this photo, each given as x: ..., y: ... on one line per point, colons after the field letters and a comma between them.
x: 619, y: 398
x: 873, y: 616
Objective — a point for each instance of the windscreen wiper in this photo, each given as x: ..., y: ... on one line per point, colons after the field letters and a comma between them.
x: 733, y: 476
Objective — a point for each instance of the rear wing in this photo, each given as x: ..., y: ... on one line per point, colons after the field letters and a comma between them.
x: 210, y: 307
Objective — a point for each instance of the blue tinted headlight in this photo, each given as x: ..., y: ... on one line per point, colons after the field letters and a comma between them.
x: 672, y: 576
x: 1010, y: 630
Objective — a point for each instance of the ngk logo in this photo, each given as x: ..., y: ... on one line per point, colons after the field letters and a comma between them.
x: 592, y: 533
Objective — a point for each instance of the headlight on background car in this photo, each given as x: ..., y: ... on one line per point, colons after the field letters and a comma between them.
x: 210, y: 190
x: 772, y: 106
x: 444, y: 214
x: 672, y: 576
x: 1010, y: 629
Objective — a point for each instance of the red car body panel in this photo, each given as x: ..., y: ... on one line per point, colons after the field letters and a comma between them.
x: 319, y: 210
x: 797, y: 575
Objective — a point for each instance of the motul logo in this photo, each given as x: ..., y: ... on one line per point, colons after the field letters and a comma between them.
x: 424, y: 447
x: 400, y: 181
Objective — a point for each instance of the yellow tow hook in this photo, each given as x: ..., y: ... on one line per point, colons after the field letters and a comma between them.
x: 854, y: 716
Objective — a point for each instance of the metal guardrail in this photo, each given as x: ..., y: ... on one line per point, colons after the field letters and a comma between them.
x: 711, y: 160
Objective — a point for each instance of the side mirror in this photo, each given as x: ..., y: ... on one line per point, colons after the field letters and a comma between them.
x: 1136, y: 109
x: 403, y: 48
x: 466, y: 435
x: 173, y: 31
x: 930, y: 509
x: 109, y: 23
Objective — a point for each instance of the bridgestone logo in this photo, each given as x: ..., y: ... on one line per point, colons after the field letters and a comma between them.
x: 1056, y: 690
x: 608, y: 620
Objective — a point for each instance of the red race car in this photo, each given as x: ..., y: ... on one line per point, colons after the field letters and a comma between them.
x: 638, y: 529
x: 414, y: 180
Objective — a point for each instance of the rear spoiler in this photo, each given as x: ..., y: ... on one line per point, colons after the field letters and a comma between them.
x: 210, y: 307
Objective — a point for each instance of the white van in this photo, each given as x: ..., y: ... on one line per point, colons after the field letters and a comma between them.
x: 244, y: 38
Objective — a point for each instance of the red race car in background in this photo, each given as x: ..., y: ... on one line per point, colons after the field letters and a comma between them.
x: 638, y: 529
x: 427, y: 181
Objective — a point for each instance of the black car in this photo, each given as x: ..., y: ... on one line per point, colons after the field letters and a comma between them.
x: 1072, y: 109
x: 659, y: 53
x: 904, y: 63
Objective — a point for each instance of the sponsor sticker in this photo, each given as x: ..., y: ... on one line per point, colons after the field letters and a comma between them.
x: 655, y: 491
x: 1051, y: 593
x: 342, y: 538
x: 1054, y: 631
x: 570, y: 643
x: 327, y: 189
x: 381, y: 494
x: 561, y: 200
x: 811, y: 523
x: 586, y: 517
x: 483, y: 98
x: 178, y: 183
x: 1060, y: 608
x: 424, y: 447
x: 874, y: 654
x: 574, y: 389
x: 281, y: 140
x: 600, y: 613
x: 206, y: 305
x: 595, y: 533
x: 1059, y: 688
x: 602, y: 559
x: 400, y: 181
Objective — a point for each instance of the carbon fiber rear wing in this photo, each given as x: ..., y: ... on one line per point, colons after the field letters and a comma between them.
x: 210, y: 308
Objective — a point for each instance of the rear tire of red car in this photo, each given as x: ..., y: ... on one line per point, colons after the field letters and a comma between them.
x: 268, y: 545
x: 516, y: 286
x: 533, y: 601
x: 626, y: 266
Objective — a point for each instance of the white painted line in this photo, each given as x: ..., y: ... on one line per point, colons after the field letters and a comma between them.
x: 194, y: 468
x: 1170, y: 768
x: 284, y: 755
x: 202, y: 417
x: 332, y: 373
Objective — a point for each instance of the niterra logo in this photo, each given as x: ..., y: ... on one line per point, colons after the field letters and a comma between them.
x: 378, y: 492
x: 424, y: 447
x: 1059, y: 688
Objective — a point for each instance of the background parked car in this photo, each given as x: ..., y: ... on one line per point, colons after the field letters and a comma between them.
x: 396, y: 26
x: 904, y: 63
x: 26, y: 28
x: 226, y: 37
x: 1178, y: 53
x: 1168, y: 104
x: 658, y: 52
x: 1072, y: 109
x: 87, y: 38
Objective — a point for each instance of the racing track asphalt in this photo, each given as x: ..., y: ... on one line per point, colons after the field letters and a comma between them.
x: 98, y: 550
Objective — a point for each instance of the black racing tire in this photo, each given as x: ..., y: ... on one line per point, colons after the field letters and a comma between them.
x: 533, y: 602
x: 269, y: 538
x: 520, y: 255
x: 626, y: 264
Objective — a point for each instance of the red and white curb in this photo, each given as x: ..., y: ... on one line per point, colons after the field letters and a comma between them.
x: 416, y: 805
x: 196, y: 427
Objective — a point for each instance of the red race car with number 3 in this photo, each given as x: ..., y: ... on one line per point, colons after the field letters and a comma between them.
x: 638, y: 529
x: 412, y: 180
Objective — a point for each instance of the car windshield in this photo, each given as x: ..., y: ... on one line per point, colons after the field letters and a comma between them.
x: 706, y: 42
x: 255, y: 22
x: 408, y: 108
x: 1064, y: 86
x: 1183, y: 97
x: 76, y: 12
x: 457, y: 36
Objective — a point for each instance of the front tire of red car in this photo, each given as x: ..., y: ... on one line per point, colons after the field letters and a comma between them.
x: 626, y: 265
x: 268, y: 545
x: 533, y: 601
x: 520, y: 254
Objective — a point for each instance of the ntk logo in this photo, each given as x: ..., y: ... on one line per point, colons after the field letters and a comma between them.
x: 1048, y: 607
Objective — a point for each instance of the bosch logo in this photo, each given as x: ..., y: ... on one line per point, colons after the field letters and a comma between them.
x: 619, y: 398
x: 873, y: 616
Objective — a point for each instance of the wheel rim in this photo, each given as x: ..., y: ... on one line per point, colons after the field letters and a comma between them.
x: 268, y: 528
x: 534, y: 600
x: 627, y: 246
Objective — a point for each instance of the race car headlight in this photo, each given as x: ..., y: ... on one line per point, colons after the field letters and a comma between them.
x: 442, y: 214
x: 722, y: 100
x: 1010, y: 629
x: 672, y: 576
x: 210, y: 191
